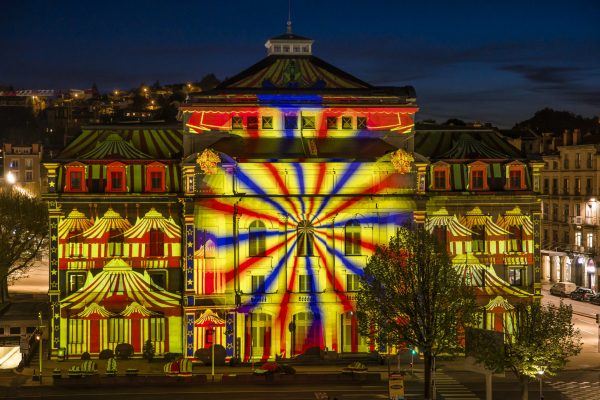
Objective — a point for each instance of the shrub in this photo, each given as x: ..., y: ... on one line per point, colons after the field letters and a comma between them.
x: 106, y: 354
x: 172, y: 356
x: 149, y: 350
x: 123, y: 351
x: 86, y: 356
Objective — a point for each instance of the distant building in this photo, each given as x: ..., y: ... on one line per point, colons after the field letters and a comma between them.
x: 22, y: 166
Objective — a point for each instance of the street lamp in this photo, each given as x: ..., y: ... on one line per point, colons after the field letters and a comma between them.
x: 40, y: 337
x: 540, y: 376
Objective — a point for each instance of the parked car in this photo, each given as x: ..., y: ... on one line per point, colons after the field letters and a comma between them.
x: 595, y: 299
x: 582, y: 294
x: 562, y: 289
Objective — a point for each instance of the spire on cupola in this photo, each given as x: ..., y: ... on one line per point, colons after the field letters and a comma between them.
x: 289, y: 43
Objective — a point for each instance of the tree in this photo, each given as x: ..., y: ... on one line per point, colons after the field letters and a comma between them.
x: 539, y: 338
x: 23, y: 234
x: 149, y: 350
x: 410, y: 293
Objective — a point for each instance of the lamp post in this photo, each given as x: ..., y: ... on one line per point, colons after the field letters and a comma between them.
x: 40, y: 337
x: 540, y: 376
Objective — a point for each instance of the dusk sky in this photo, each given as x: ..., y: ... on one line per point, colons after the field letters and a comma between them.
x: 492, y: 61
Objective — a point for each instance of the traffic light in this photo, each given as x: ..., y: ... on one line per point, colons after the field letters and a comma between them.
x: 413, y: 351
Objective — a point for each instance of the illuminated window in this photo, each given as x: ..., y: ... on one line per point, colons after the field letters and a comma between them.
x: 291, y: 122
x: 304, y: 283
x: 256, y: 239
x: 76, y: 281
x: 155, y: 177
x: 352, y: 283
x: 577, y: 187
x: 332, y: 122
x: 115, y: 174
x: 157, y: 329
x: 76, y: 331
x: 477, y: 180
x: 13, y: 164
x: 478, y: 238
x: 267, y: 122
x: 236, y: 122
x: 590, y: 160
x: 578, y: 238
x: 115, y: 243
x: 515, y: 276
x: 258, y: 283
x: 156, y: 244
x: 346, y: 122
x: 306, y: 239
x: 577, y: 160
x: 352, y: 238
x: 308, y: 122
x: 566, y: 186
x: 252, y: 122
x: 361, y: 123
x: 76, y: 180
x: 478, y: 176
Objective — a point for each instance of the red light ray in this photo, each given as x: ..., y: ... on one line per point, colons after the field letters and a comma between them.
x: 363, y: 243
x: 320, y: 179
x: 230, y: 209
x: 285, y: 302
x: 334, y: 280
x: 275, y: 174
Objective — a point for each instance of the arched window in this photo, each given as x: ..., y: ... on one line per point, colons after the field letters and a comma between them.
x: 352, y: 238
x: 115, y: 243
x: 306, y: 239
x: 256, y: 239
x: 156, y: 244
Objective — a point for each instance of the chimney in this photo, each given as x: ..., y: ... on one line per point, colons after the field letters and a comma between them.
x: 576, y: 136
x: 566, y: 138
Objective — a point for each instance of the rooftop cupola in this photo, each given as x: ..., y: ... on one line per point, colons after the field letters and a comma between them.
x: 289, y: 44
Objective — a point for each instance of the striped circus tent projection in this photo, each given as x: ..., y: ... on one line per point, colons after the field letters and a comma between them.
x: 448, y: 229
x: 114, y: 147
x: 105, y: 238
x: 119, y: 305
x: 153, y: 242
x: 210, y: 327
x: 71, y: 250
x: 521, y: 230
x: 499, y: 315
x: 488, y: 237
x: 484, y: 278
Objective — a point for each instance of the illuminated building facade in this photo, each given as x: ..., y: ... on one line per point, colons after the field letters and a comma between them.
x: 267, y: 206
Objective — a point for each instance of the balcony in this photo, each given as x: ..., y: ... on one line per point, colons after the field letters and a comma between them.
x: 585, y: 220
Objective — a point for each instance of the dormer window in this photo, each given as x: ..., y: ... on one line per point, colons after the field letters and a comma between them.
x: 478, y: 176
x: 515, y: 173
x: 155, y: 177
x: 75, y: 175
x: 441, y: 177
x: 115, y: 175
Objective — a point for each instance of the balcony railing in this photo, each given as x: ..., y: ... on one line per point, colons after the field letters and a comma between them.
x: 585, y: 220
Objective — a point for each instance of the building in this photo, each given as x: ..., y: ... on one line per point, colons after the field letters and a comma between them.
x: 22, y: 166
x: 261, y: 212
x: 570, y: 210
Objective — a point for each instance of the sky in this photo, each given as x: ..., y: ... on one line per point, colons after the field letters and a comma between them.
x: 489, y: 61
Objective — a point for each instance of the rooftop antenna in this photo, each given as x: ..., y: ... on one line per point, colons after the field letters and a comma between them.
x: 289, y: 21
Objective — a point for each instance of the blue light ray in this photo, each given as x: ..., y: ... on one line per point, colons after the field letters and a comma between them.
x: 258, y: 190
x: 347, y: 262
x: 351, y: 170
x: 300, y: 179
x: 396, y: 218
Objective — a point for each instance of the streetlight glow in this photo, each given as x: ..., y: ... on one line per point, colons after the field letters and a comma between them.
x: 11, y: 178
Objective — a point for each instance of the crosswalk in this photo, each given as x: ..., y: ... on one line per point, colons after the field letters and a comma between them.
x: 449, y: 388
x: 577, y: 390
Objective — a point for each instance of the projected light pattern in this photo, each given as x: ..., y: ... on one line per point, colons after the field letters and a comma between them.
x: 308, y: 211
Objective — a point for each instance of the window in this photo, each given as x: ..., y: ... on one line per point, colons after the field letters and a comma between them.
x: 555, y: 186
x: 75, y: 180
x: 305, y: 239
x: 515, y: 179
x: 566, y: 186
x: 76, y: 330
x: 546, y: 186
x: 577, y: 187
x: 352, y: 238
x: 75, y: 244
x: 291, y: 122
x: 577, y: 209
x: 308, y: 122
x: 515, y: 276
x: 478, y: 238
x: 555, y: 238
x: 439, y: 179
x: 588, y: 186
x: 256, y: 239
x: 555, y: 165
x: 15, y: 330
x: 331, y: 122
x: 116, y: 330
x: 346, y: 122
x: 304, y: 283
x: 156, y: 180
x: 589, y: 240
x: 577, y: 238
x: 258, y: 284
x: 566, y: 162
x: 267, y: 122
x: 28, y: 163
x: 236, y: 122
x: 252, y: 122
x: 361, y: 122
x: 158, y: 278
x: 515, y: 240
x: 157, y: 329
x: 1, y: 331
x: 577, y: 160
x: 76, y: 281
x: 30, y: 329
x: 116, y: 180
x: 477, y: 179
x: 156, y: 244
x: 566, y: 213
x: 590, y: 160
x: 352, y: 283
x: 155, y: 177
x: 555, y: 212
x: 13, y: 164
x: 115, y: 243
